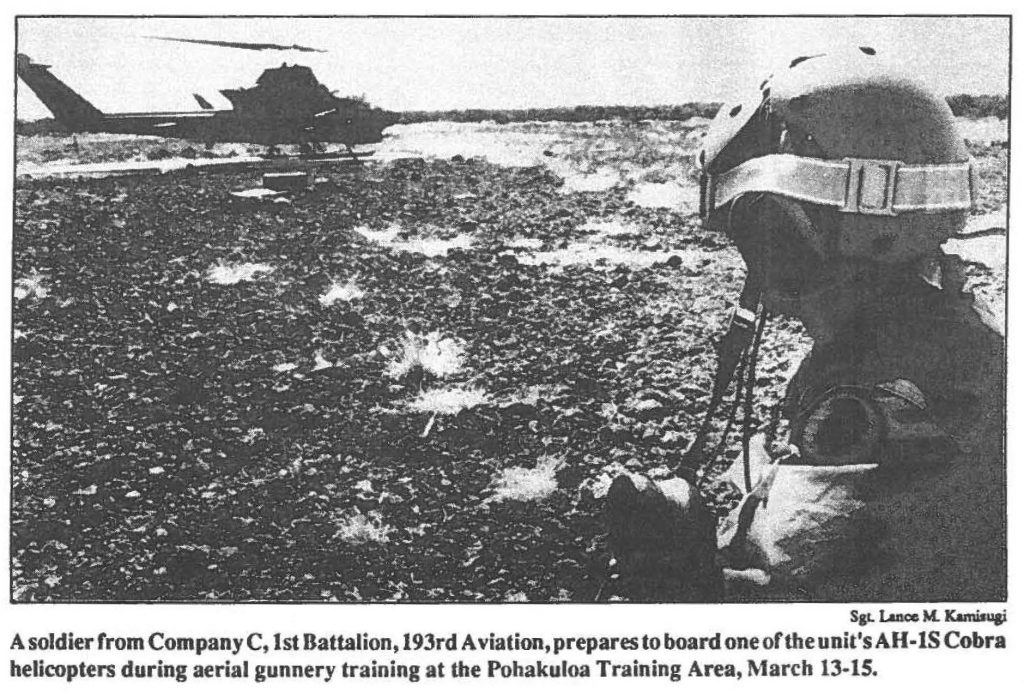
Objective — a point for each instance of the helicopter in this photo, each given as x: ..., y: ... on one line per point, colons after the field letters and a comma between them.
x: 288, y: 105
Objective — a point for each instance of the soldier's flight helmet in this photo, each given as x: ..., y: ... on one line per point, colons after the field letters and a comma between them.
x: 853, y: 161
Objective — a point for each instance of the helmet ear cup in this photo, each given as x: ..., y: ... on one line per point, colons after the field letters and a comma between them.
x: 788, y: 217
x: 781, y: 246
x: 756, y: 220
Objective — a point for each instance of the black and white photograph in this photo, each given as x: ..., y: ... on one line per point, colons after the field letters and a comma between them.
x: 509, y: 310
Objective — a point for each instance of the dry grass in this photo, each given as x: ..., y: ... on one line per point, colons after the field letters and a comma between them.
x: 522, y: 243
x: 362, y: 529
x: 611, y: 228
x: 31, y: 285
x: 434, y: 247
x: 227, y: 274
x: 381, y: 237
x: 672, y: 195
x: 346, y: 292
x: 428, y: 246
x: 528, y: 484
x: 439, y: 356
x: 595, y: 254
x: 320, y: 363
x: 448, y: 400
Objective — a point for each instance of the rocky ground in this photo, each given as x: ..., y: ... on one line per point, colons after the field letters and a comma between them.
x: 413, y: 382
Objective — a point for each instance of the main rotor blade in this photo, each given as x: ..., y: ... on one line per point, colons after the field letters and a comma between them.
x: 240, y: 44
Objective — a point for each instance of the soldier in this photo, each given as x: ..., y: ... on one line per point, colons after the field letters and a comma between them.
x: 839, y: 182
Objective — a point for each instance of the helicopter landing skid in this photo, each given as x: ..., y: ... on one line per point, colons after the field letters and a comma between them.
x: 348, y: 155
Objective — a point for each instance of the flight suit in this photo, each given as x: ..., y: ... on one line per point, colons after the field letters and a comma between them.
x: 927, y: 520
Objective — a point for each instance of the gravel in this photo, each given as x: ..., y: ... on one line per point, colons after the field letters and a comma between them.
x: 160, y: 452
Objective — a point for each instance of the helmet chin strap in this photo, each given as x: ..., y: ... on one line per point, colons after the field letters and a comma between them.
x: 746, y: 323
x: 737, y: 357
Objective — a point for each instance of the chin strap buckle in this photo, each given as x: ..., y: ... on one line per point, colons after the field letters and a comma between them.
x: 742, y: 319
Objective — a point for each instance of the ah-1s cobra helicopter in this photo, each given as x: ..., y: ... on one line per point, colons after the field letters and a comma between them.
x: 288, y: 105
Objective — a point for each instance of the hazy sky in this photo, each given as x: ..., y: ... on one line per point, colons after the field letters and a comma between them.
x: 438, y: 63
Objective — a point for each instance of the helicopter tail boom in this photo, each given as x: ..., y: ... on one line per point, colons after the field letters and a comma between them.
x: 69, y: 108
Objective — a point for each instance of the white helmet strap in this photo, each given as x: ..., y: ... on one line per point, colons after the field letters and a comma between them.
x: 853, y: 185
